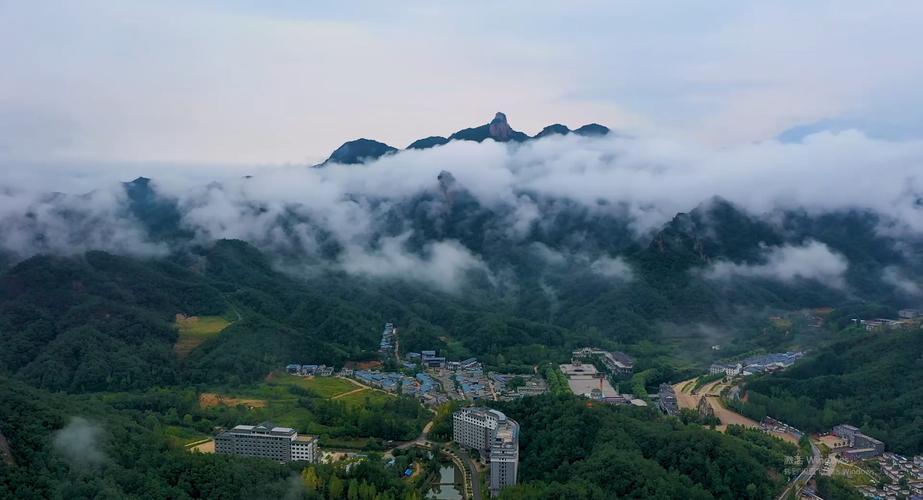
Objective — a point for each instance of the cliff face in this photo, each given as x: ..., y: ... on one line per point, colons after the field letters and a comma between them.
x: 500, y: 129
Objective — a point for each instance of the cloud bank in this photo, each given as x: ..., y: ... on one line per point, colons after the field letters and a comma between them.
x: 391, y: 217
x: 813, y: 261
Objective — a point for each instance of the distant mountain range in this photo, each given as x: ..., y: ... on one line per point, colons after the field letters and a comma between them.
x: 362, y: 150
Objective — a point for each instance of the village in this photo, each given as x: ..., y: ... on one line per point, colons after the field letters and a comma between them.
x: 432, y: 379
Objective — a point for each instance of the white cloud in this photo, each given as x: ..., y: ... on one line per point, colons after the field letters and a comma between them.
x: 894, y: 276
x: 443, y: 264
x: 813, y: 260
x: 610, y: 267
x: 300, y: 210
x: 81, y: 443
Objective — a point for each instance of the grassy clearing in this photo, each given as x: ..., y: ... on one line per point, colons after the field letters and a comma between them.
x: 856, y: 476
x: 182, y: 436
x: 326, y: 387
x: 359, y: 398
x: 212, y: 399
x: 194, y: 330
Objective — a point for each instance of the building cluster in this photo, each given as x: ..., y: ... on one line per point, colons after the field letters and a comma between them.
x: 429, y: 359
x: 903, y: 478
x: 310, y: 370
x: 474, y: 384
x: 616, y: 362
x: 756, y: 364
x: 495, y: 437
x: 421, y: 386
x: 282, y: 444
x: 771, y: 425
x: 910, y: 313
x: 883, y: 324
x: 532, y: 385
x: 585, y: 380
x: 467, y: 375
x: 667, y: 400
x: 860, y: 446
x: 388, y: 340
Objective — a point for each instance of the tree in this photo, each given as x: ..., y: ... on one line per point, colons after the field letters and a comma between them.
x: 335, y: 488
x: 352, y: 493
x: 311, y: 480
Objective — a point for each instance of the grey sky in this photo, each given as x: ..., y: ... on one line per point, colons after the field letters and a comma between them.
x: 288, y: 81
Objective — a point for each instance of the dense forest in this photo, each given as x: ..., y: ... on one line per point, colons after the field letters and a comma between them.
x: 115, y: 447
x: 88, y: 340
x: 104, y: 322
x: 570, y: 449
x: 873, y: 380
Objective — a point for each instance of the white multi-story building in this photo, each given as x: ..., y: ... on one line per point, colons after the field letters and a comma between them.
x: 282, y: 444
x: 504, y: 456
x: 496, y: 438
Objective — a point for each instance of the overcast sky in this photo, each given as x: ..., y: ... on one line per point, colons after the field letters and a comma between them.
x: 267, y: 82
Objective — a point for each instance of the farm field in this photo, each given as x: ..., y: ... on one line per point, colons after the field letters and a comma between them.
x: 195, y: 330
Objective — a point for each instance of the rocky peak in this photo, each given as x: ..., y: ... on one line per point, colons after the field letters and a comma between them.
x: 500, y: 129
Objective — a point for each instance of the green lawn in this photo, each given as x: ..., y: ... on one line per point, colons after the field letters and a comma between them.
x: 360, y: 398
x: 195, y: 330
x: 181, y: 436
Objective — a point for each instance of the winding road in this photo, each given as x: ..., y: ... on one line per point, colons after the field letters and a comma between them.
x: 799, y: 482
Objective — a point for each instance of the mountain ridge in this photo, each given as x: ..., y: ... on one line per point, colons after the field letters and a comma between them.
x: 359, y: 151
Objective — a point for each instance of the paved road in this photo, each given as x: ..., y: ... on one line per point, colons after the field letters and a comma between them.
x: 798, y: 483
x: 475, y: 476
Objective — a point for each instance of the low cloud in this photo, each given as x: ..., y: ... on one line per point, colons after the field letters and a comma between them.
x: 443, y: 264
x: 571, y: 189
x: 787, y: 263
x: 548, y: 254
x: 35, y: 222
x: 893, y: 276
x: 80, y: 442
x: 610, y: 267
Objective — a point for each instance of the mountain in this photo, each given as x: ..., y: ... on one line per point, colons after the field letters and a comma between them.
x: 428, y: 142
x: 869, y: 379
x: 498, y: 129
x: 555, y: 129
x: 359, y: 151
x: 592, y: 129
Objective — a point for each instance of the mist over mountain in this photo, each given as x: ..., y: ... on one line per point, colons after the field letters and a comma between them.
x: 467, y: 204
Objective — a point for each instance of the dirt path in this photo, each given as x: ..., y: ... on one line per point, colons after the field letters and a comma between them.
x: 206, y: 447
x: 361, y: 386
x: 347, y: 393
x: 730, y: 417
x: 686, y: 399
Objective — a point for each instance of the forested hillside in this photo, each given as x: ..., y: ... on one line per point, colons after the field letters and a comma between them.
x: 573, y: 450
x: 116, y: 447
x: 870, y: 380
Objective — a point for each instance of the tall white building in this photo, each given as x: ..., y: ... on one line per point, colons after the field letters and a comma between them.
x: 282, y: 444
x: 496, y: 438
